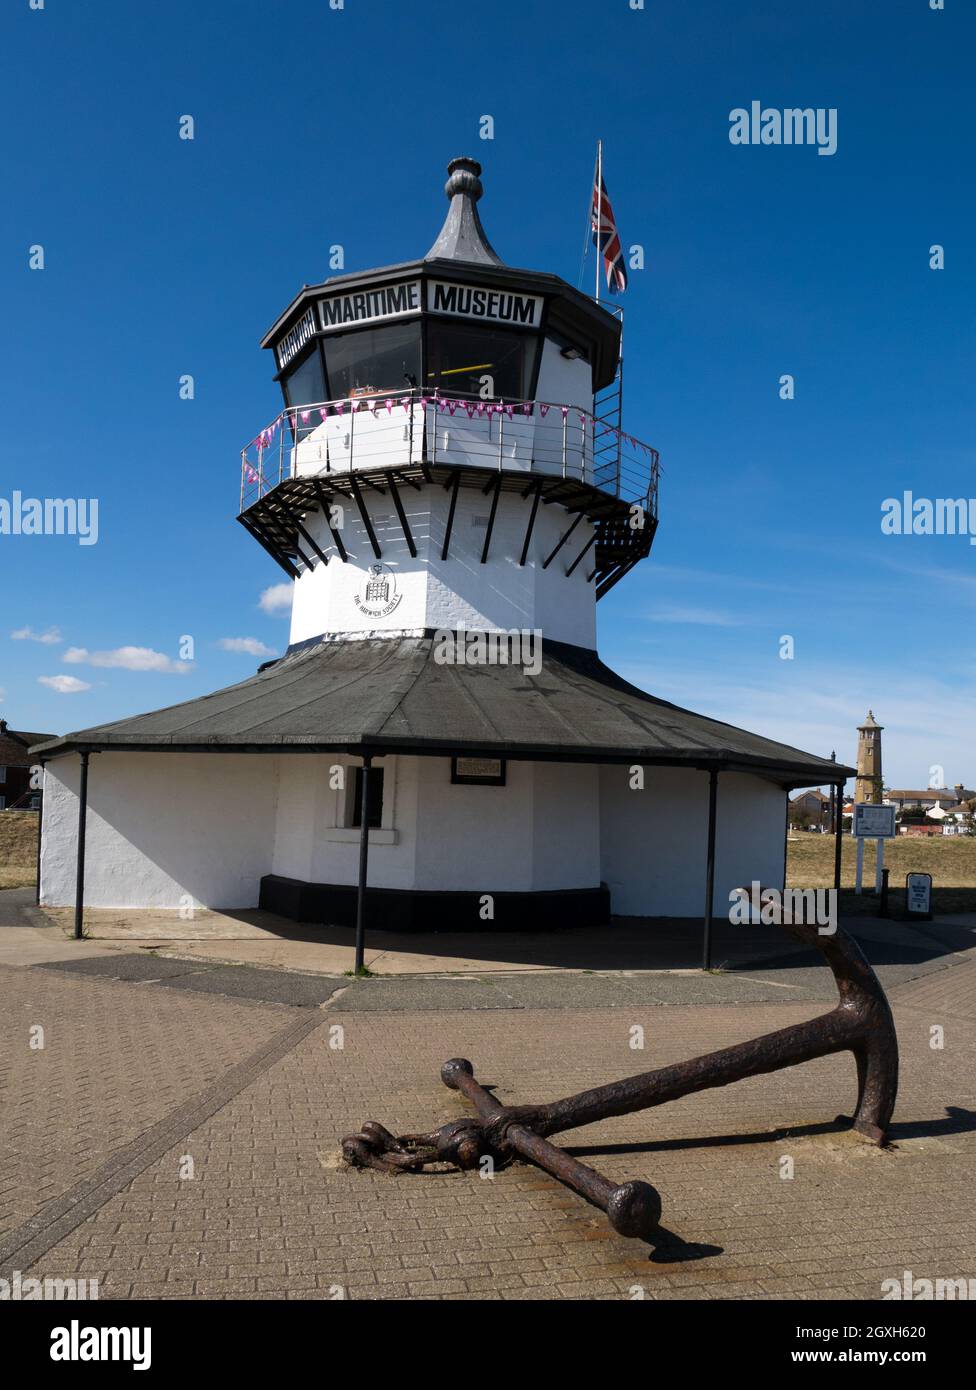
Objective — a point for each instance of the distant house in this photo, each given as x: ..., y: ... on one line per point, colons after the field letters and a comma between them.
x: 16, y: 793
x: 811, y: 807
x: 949, y: 798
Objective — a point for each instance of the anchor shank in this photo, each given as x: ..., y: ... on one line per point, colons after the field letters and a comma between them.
x: 833, y: 1032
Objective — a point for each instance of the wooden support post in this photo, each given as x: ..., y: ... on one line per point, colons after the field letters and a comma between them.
x: 879, y: 864
x: 40, y: 830
x: 80, y: 877
x: 401, y: 514
x: 363, y: 864
x: 532, y: 515
x: 710, y: 869
x: 454, y: 485
x: 838, y: 832
x: 364, y: 516
x: 491, y: 518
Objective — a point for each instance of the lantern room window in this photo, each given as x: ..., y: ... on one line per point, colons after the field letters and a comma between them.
x: 462, y: 360
x: 370, y: 360
x: 305, y: 383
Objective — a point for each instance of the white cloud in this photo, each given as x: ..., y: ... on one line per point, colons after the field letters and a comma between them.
x: 129, y: 658
x: 704, y: 617
x: 64, y: 685
x: 27, y: 634
x: 277, y: 599
x: 251, y: 645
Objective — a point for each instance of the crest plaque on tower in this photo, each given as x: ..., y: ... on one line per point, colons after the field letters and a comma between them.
x: 377, y: 594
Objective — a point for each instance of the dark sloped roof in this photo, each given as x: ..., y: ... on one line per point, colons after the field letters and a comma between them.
x: 14, y: 744
x: 932, y: 794
x: 391, y: 694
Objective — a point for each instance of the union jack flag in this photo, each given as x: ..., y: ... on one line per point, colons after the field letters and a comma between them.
x: 606, y: 238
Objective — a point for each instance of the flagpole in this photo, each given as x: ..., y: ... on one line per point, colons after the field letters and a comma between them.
x: 599, y: 214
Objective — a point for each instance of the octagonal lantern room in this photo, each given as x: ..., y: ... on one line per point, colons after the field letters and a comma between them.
x: 459, y: 323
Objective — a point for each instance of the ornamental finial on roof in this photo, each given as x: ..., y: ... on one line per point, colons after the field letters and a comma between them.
x: 462, y: 237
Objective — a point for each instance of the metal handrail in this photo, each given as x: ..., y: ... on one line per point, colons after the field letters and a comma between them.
x: 321, y: 438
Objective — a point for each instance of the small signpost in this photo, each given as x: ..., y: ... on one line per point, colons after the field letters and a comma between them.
x: 871, y: 822
x: 918, y: 896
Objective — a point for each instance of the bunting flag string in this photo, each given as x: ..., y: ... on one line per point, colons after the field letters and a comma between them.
x: 289, y: 418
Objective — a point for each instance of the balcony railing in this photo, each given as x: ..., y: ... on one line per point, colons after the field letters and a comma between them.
x: 408, y: 429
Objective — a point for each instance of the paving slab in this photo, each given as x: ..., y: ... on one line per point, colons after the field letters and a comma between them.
x: 408, y: 994
x: 738, y: 987
x: 241, y: 981
x: 117, y: 965
x: 236, y: 981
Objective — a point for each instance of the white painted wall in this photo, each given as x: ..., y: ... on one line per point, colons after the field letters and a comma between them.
x: 435, y: 593
x: 653, y: 842
x: 539, y: 831
x: 474, y: 839
x: 168, y: 828
x: 162, y: 828
x: 566, y: 826
x: 562, y: 380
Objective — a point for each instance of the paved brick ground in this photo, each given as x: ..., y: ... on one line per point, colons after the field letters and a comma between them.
x: 270, y: 1213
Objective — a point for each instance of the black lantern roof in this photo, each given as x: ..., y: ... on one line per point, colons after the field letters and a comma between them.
x: 463, y: 255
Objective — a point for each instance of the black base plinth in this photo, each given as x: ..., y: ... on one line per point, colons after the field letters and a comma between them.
x: 414, y: 910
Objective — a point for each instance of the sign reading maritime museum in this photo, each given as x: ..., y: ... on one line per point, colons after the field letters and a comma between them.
x: 341, y: 311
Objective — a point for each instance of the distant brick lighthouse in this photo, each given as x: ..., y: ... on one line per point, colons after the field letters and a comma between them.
x: 868, y: 786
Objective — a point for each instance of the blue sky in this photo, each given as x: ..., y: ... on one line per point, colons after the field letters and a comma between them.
x: 315, y: 126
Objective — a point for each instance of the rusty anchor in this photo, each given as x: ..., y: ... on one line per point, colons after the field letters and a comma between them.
x: 861, y: 1023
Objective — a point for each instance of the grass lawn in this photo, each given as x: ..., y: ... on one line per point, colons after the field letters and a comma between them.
x: 18, y: 849
x: 951, y: 860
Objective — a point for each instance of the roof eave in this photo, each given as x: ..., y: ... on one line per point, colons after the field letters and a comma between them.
x: 789, y: 775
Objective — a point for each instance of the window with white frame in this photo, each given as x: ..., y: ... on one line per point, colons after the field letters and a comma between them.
x: 381, y: 798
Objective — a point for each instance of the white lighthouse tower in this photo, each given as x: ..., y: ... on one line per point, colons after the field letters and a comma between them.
x: 450, y: 491
x: 440, y: 442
